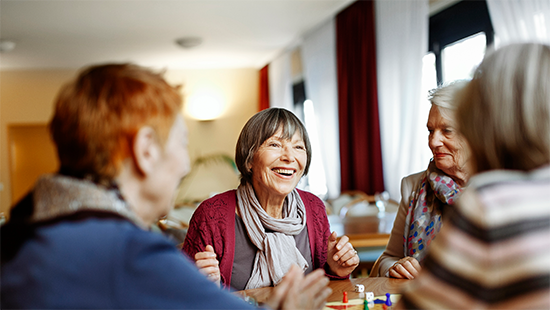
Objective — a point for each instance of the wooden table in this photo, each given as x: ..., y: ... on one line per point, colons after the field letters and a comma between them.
x: 366, y: 231
x: 379, y: 286
x: 368, y: 234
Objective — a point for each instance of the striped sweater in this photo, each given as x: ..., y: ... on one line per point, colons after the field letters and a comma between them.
x: 494, y: 253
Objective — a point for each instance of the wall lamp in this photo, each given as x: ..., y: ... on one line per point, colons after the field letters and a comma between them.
x: 205, y: 105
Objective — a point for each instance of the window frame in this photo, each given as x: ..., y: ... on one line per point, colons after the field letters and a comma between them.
x: 459, y: 21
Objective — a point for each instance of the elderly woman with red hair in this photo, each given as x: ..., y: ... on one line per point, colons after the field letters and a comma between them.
x: 81, y: 239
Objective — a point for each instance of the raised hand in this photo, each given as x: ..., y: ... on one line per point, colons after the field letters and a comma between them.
x: 208, y: 264
x: 341, y: 256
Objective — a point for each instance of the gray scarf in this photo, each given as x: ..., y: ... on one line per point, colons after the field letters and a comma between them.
x: 276, y: 250
x: 57, y: 195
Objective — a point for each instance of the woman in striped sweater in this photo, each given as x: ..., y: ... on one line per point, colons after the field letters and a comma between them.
x: 494, y: 252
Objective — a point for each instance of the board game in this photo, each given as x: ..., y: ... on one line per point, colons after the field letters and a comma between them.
x: 358, y: 304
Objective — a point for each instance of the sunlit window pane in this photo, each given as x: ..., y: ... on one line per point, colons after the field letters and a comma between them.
x: 429, y: 76
x: 460, y: 59
x: 317, y: 183
x: 429, y: 82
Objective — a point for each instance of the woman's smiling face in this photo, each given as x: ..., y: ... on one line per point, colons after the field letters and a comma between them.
x: 278, y: 165
x: 449, y: 149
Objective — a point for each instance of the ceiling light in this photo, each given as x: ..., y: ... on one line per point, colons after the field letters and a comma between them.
x: 188, y: 42
x: 6, y: 46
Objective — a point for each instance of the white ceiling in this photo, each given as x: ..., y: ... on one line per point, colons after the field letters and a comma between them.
x: 235, y: 33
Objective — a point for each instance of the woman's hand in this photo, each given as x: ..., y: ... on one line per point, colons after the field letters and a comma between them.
x: 208, y: 264
x: 405, y: 268
x: 341, y: 256
x: 298, y: 292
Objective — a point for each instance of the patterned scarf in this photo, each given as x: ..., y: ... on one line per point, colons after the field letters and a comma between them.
x: 423, y: 220
x: 276, y: 250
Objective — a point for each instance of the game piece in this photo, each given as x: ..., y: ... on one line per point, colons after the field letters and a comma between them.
x: 388, y: 299
x: 379, y: 301
x: 369, y: 296
x: 359, y: 288
x: 359, y: 303
x: 345, y: 299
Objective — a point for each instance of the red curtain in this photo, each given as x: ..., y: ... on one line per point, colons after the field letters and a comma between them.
x: 264, y: 89
x: 360, y: 148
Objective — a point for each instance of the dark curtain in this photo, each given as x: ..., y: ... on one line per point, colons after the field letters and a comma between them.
x: 360, y: 148
x: 264, y: 89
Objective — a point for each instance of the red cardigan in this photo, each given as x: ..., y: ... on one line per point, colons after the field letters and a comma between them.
x: 214, y: 223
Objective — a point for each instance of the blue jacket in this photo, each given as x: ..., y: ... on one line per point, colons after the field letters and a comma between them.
x: 104, y: 263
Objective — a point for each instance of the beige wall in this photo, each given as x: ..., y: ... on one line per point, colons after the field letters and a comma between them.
x: 239, y: 90
x: 26, y: 97
x: 31, y: 154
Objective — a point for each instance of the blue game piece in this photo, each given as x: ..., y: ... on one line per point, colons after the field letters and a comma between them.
x: 388, y: 300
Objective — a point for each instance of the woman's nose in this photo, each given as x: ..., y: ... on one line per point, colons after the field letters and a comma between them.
x: 287, y: 154
x: 435, y: 140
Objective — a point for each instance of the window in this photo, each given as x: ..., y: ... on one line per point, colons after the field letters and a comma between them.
x: 459, y: 36
x: 461, y: 58
x: 429, y: 78
x: 315, y: 182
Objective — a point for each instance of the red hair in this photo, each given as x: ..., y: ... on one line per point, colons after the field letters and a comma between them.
x: 97, y: 116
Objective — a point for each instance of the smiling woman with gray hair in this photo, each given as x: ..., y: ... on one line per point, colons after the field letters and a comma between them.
x: 249, y: 237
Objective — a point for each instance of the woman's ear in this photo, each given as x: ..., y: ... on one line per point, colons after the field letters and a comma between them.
x: 146, y: 150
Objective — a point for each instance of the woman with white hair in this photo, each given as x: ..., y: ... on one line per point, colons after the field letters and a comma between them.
x: 493, y: 253
x: 426, y: 195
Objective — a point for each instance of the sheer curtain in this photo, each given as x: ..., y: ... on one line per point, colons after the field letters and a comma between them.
x: 401, y: 43
x: 280, y: 82
x: 520, y: 20
x: 319, y: 64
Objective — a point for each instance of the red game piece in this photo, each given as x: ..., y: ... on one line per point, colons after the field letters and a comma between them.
x: 384, y: 306
x: 345, y: 300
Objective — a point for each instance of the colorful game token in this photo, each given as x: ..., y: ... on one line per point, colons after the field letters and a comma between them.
x: 345, y: 299
x: 388, y: 300
x: 379, y: 301
x: 361, y: 303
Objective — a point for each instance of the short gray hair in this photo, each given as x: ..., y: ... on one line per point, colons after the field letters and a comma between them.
x: 444, y: 98
x: 261, y: 127
x: 504, y: 112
